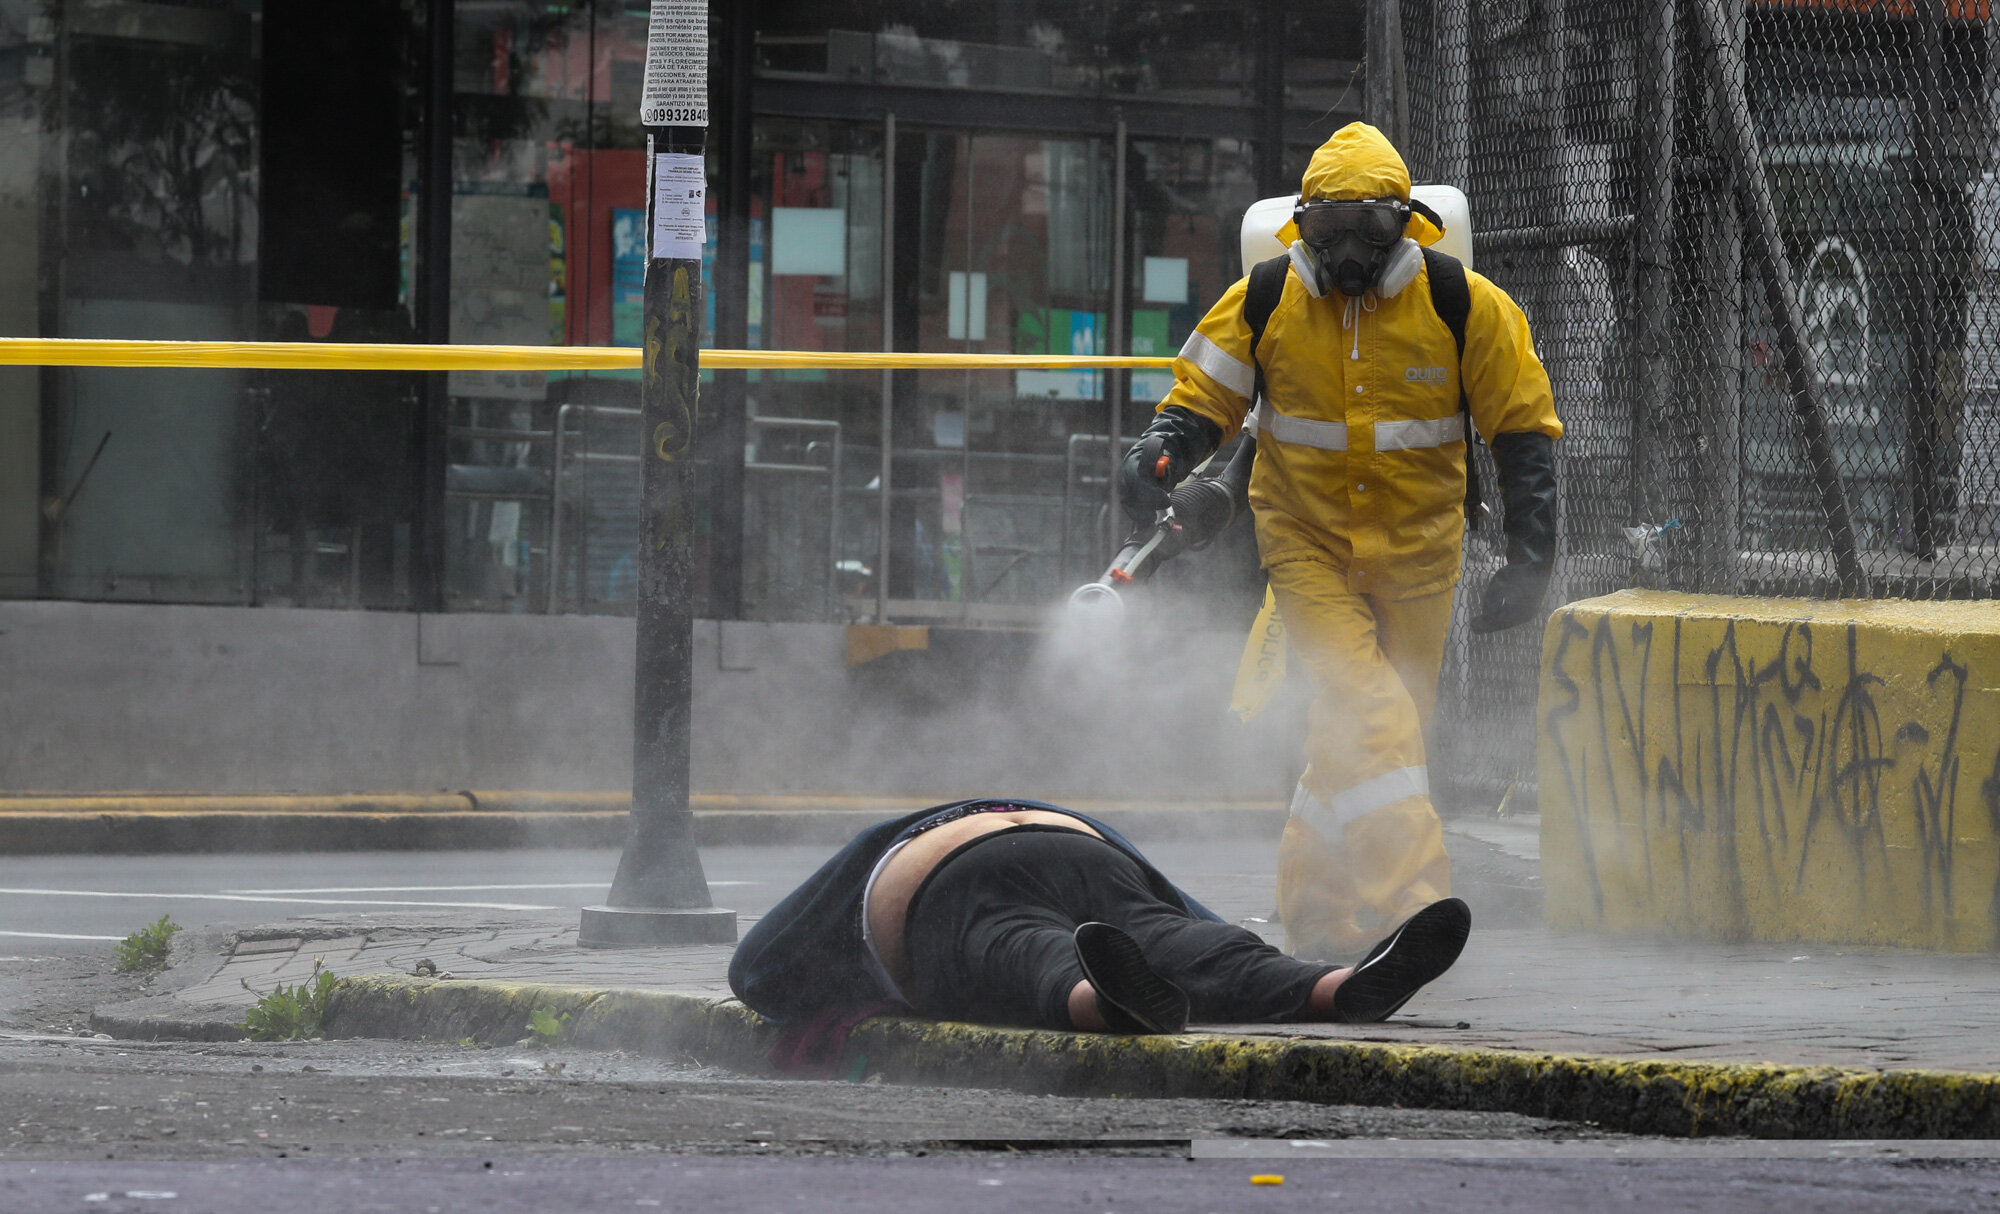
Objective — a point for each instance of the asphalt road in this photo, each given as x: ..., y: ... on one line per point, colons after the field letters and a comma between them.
x: 88, y: 1099
x: 1079, y: 1183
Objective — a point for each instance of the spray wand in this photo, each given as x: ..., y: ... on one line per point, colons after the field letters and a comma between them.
x: 1198, y: 509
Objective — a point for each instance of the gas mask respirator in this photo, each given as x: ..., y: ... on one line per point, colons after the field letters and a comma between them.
x: 1352, y: 241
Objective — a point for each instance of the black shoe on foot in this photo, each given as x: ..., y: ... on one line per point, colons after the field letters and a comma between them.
x: 1131, y: 997
x: 1402, y: 962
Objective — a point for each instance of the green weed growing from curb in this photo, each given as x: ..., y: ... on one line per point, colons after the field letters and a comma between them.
x: 546, y: 1028
x: 146, y: 949
x: 290, y: 1013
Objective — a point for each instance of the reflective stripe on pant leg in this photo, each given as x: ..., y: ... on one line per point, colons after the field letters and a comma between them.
x: 1342, y: 881
x: 1330, y: 817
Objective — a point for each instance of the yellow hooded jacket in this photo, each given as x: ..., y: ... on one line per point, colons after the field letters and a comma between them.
x: 1365, y: 465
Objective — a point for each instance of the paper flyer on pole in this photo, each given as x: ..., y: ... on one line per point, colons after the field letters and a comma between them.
x: 674, y: 91
x: 680, y: 185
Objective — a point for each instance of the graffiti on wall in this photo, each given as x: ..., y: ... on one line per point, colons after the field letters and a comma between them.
x: 1730, y: 777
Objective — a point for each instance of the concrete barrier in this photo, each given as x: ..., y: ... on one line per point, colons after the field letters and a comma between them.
x: 1773, y: 769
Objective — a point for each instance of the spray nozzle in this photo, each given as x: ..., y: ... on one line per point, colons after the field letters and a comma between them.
x: 1097, y: 601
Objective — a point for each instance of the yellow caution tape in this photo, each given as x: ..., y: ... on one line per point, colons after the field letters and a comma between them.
x: 373, y: 356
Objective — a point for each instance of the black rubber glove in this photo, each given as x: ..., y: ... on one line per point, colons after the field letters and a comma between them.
x: 1185, y: 438
x: 1527, y: 466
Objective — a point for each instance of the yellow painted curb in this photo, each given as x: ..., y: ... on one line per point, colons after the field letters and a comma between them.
x: 162, y: 823
x: 540, y: 802
x: 1649, y: 1097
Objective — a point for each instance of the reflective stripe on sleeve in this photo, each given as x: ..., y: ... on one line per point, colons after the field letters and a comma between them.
x: 1330, y: 817
x: 1222, y: 367
x: 1407, y: 436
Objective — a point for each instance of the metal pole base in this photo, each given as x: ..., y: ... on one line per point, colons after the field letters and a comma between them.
x: 644, y: 926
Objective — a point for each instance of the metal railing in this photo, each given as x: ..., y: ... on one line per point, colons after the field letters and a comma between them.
x: 830, y: 470
x: 1071, y: 481
x: 565, y: 453
x: 559, y: 462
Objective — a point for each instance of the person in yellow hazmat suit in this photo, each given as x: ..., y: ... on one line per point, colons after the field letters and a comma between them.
x: 1358, y: 493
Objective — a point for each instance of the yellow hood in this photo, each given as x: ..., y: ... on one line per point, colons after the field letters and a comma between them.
x: 1358, y: 161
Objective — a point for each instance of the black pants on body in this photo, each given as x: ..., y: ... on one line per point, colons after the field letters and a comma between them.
x: 989, y: 935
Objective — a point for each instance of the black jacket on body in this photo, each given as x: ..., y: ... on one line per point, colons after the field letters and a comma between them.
x: 806, y: 955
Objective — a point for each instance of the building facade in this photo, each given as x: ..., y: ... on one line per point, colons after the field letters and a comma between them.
x: 995, y: 176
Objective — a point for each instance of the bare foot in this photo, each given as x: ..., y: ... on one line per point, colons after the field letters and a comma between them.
x: 1319, y: 1005
x: 1083, y: 1013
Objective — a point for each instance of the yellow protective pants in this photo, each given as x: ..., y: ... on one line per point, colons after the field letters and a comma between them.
x: 1363, y: 848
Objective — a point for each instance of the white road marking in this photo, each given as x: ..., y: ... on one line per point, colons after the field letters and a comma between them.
x: 443, y: 889
x: 99, y: 893
x: 416, y: 889
x: 53, y: 936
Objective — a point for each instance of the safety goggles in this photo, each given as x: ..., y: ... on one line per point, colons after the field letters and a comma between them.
x: 1375, y: 221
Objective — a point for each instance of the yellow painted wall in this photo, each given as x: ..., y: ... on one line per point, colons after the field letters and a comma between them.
x: 1773, y: 769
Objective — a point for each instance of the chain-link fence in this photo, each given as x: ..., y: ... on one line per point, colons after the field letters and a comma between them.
x: 1760, y: 248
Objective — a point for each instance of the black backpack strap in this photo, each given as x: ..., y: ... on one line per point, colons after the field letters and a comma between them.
x: 1451, y: 296
x: 1267, y: 287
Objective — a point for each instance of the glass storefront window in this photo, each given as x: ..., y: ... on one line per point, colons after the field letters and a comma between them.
x: 1187, y: 204
x: 548, y: 197
x: 1014, y: 257
x: 27, y: 67
x: 145, y: 191
x: 152, y: 129
x: 1003, y: 245
x: 1198, y: 51
x: 815, y: 284
x: 151, y: 179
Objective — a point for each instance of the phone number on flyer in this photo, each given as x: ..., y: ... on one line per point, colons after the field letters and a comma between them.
x: 661, y: 115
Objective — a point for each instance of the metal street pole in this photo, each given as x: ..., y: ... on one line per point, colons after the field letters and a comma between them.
x: 660, y: 894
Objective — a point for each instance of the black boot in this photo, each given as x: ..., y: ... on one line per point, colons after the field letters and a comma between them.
x: 1403, y: 962
x: 1131, y: 997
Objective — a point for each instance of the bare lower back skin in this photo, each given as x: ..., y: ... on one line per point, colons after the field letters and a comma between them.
x: 889, y: 901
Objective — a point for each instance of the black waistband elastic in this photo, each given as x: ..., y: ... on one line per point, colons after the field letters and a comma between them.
x: 1023, y: 827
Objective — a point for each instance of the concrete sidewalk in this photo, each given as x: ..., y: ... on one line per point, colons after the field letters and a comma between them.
x: 1680, y: 1038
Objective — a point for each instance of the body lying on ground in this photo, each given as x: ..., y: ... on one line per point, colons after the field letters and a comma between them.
x: 1022, y: 913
